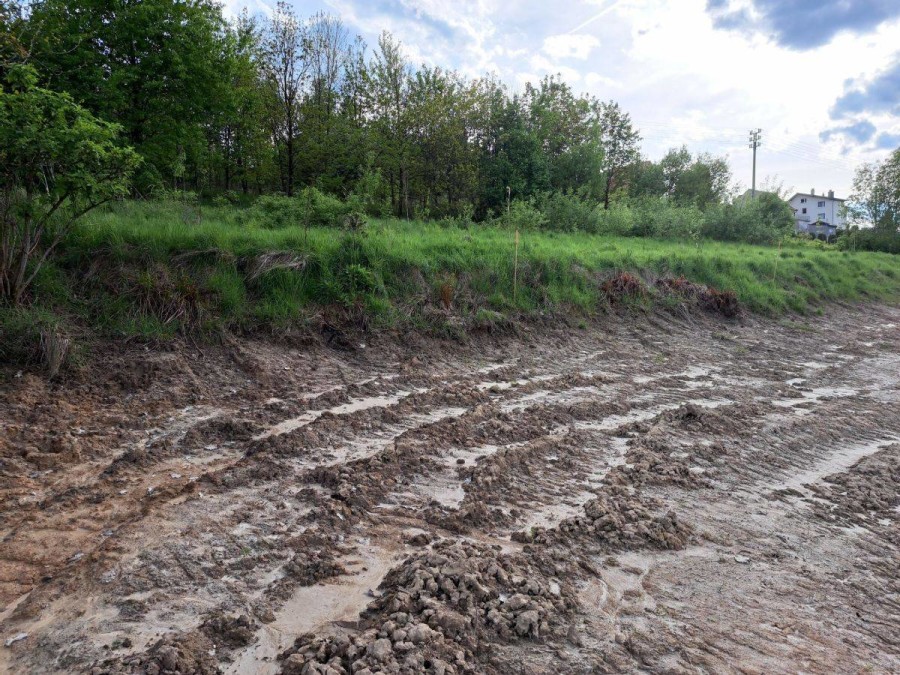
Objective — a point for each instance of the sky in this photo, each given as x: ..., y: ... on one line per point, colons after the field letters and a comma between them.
x: 821, y: 78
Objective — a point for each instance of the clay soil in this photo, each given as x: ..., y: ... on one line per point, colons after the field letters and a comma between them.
x: 652, y: 494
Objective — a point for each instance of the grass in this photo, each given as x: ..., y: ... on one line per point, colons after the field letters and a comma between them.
x: 152, y: 270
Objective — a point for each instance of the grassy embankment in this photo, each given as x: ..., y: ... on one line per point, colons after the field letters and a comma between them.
x: 150, y: 270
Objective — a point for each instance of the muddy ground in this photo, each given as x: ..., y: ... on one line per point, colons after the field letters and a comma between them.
x: 651, y: 494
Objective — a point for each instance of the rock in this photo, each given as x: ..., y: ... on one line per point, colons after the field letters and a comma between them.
x: 419, y: 539
x: 381, y: 650
x: 527, y: 622
x: 517, y: 602
x: 742, y: 559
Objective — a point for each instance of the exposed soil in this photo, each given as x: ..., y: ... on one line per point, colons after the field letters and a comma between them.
x: 657, y: 494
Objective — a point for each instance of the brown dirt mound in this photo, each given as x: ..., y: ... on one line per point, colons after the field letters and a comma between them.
x: 191, y: 653
x: 618, y: 519
x: 437, y: 612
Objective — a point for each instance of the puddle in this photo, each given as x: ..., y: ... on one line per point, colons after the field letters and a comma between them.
x: 314, y: 609
x: 815, y: 395
x: 839, y: 462
x: 311, y: 416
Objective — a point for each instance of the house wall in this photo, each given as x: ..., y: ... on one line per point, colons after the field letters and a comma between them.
x: 805, y: 222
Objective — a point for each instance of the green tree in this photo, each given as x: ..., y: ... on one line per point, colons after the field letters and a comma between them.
x: 155, y: 67
x: 875, y: 199
x: 57, y: 162
x: 389, y: 80
x: 286, y: 69
x: 620, y: 143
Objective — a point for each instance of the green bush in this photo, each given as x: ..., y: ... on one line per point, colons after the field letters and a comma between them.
x: 568, y: 213
x: 277, y: 211
x: 524, y: 215
x: 870, y: 240
x: 310, y: 208
x: 762, y: 220
x: 618, y: 219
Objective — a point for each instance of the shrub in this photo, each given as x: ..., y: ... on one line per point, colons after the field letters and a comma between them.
x: 524, y: 215
x: 762, y: 220
x: 568, y: 213
x: 322, y: 209
x: 869, y: 240
x: 277, y: 211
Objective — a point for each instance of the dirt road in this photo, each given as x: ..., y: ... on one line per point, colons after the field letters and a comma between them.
x: 654, y: 494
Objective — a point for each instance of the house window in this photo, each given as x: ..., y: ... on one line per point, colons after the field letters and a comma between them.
x: 821, y: 205
x: 803, y: 201
x: 804, y: 210
x: 822, y: 216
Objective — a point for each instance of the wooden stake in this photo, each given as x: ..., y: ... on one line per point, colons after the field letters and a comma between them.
x: 776, y: 260
x: 516, y: 267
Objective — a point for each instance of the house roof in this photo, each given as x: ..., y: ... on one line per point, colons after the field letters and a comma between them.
x: 809, y: 194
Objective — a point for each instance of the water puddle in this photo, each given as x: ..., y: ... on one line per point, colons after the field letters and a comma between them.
x: 838, y: 462
x: 311, y: 416
x: 314, y: 609
x: 815, y: 395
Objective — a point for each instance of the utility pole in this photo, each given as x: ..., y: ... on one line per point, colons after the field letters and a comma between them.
x: 755, y: 142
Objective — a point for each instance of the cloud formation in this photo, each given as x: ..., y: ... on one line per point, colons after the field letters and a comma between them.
x: 861, y: 132
x: 801, y: 24
x: 570, y: 46
x: 879, y: 95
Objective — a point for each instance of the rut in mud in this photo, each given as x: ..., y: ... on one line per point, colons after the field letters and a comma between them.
x: 654, y: 495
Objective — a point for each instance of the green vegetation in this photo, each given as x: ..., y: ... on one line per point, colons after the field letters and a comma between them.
x: 157, y: 269
x: 256, y: 150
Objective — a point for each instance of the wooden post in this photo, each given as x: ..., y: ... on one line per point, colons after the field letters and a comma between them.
x: 516, y: 267
x: 775, y: 273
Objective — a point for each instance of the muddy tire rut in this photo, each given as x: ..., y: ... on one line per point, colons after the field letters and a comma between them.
x: 654, y: 494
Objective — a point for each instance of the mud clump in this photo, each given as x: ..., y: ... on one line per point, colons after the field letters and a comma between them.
x: 617, y: 520
x: 869, y: 491
x: 437, y: 612
x: 191, y: 653
x: 230, y: 632
x: 218, y: 430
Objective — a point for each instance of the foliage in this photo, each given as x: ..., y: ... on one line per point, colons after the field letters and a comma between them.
x: 57, y: 162
x: 385, y: 271
x: 524, y: 215
x: 762, y: 220
x: 869, y: 239
x: 158, y: 68
x: 875, y: 200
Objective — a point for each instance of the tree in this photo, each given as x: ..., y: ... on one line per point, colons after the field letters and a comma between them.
x: 57, y: 162
x: 620, y: 144
x: 155, y: 67
x: 875, y: 199
x: 287, y: 70
x: 238, y: 130
x: 12, y: 49
x: 389, y: 79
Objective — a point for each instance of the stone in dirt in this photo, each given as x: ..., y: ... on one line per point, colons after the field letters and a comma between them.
x: 438, y: 612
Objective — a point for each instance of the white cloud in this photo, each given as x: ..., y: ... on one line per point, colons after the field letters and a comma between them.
x: 597, y: 81
x: 570, y: 46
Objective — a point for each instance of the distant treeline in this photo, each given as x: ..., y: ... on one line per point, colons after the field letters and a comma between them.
x: 273, y: 105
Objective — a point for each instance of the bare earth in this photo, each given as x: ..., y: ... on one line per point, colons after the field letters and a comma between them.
x: 655, y: 494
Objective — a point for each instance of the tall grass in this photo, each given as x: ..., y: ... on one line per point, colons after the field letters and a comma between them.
x: 397, y: 270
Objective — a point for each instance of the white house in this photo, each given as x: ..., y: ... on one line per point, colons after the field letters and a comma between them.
x: 818, y: 214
